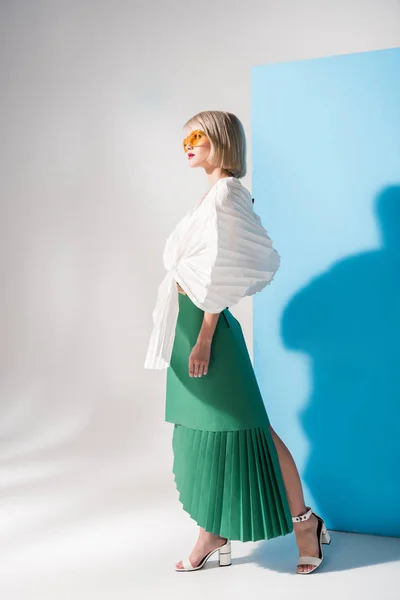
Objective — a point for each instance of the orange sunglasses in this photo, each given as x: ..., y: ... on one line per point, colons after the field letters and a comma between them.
x: 193, y: 139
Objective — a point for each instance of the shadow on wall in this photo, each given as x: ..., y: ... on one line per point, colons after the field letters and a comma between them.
x: 348, y: 321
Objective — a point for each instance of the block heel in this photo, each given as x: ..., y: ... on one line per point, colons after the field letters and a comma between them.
x: 326, y: 538
x: 225, y: 555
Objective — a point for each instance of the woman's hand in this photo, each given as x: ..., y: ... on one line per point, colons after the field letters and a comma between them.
x: 199, y: 358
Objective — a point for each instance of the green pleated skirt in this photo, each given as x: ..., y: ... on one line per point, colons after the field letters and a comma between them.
x: 226, y: 466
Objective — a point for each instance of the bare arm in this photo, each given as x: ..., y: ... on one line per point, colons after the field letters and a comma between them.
x: 200, y: 355
x: 207, y: 328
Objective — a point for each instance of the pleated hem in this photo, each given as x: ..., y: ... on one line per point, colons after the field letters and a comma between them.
x: 230, y: 482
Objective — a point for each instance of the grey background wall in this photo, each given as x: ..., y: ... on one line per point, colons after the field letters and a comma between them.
x: 93, y: 99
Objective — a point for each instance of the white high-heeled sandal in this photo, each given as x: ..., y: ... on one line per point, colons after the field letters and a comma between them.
x: 224, y: 557
x: 323, y: 538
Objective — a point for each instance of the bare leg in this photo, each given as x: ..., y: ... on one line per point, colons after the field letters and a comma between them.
x: 305, y: 531
x: 205, y: 543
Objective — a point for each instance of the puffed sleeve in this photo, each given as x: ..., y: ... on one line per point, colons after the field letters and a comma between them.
x: 246, y: 260
x: 231, y: 256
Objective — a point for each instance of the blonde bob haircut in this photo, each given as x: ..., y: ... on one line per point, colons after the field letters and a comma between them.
x: 227, y: 138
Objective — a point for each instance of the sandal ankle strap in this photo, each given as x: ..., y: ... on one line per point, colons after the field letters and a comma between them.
x: 303, y: 517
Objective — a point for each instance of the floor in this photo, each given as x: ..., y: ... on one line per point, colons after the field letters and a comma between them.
x: 131, y: 555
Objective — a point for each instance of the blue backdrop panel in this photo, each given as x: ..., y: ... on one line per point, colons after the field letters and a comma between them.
x: 326, y: 182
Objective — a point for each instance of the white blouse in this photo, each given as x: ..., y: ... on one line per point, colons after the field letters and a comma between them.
x: 219, y: 252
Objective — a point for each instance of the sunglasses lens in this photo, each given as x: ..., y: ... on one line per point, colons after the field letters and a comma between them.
x: 193, y: 139
x: 196, y: 137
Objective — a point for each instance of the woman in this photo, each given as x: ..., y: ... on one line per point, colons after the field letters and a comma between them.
x: 235, y: 476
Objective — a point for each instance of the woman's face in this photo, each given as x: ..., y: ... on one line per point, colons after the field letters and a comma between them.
x: 197, y: 150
